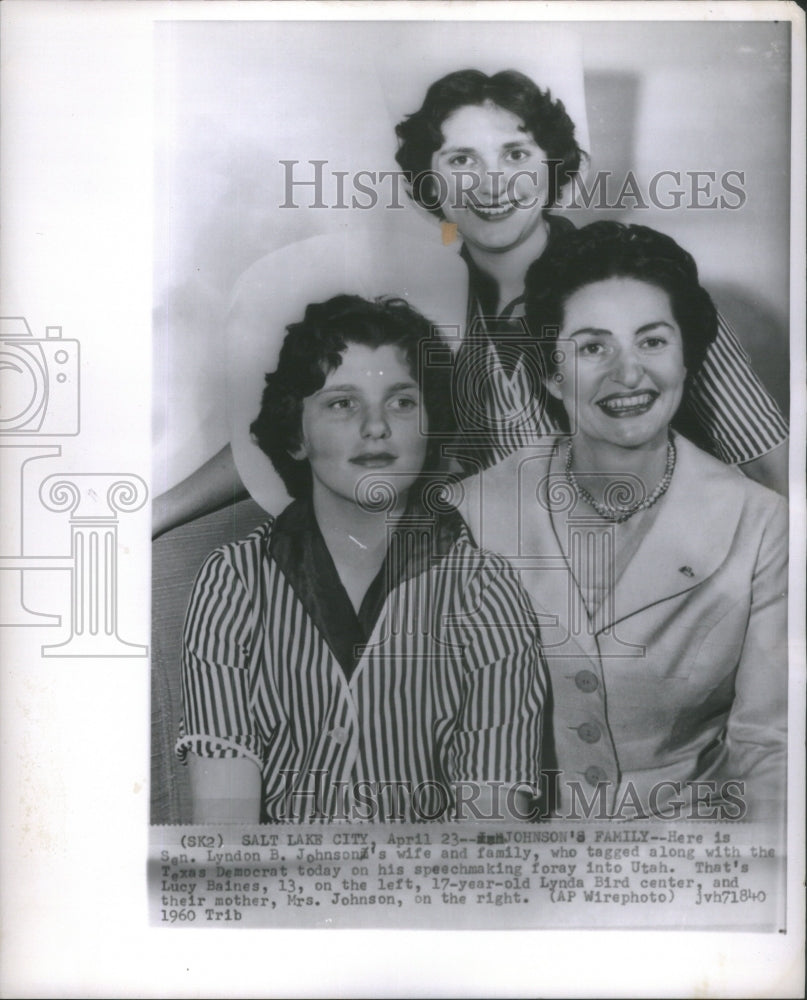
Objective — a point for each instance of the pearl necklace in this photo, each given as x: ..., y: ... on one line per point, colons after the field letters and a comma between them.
x: 619, y: 514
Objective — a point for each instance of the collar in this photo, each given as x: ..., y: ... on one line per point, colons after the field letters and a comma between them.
x: 681, y: 549
x: 445, y: 523
x: 485, y: 289
x: 299, y: 550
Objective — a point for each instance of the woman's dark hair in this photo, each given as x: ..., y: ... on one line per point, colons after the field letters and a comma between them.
x: 314, y: 347
x: 605, y: 250
x: 420, y: 134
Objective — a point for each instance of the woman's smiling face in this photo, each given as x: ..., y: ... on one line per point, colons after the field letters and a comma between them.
x: 495, y: 177
x: 629, y: 374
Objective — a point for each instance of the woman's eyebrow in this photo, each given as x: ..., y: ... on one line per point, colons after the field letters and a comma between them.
x: 652, y: 326
x: 455, y: 149
x: 346, y: 387
x: 594, y: 330
x: 350, y: 387
x: 403, y: 385
x: 514, y: 144
x: 602, y: 332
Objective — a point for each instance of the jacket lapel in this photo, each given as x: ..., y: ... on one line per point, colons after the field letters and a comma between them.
x: 682, y: 549
x: 687, y: 543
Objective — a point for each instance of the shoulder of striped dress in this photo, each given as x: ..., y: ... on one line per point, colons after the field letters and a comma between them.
x: 247, y: 550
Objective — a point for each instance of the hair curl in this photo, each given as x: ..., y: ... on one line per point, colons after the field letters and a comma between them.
x: 604, y: 250
x: 314, y: 347
x: 420, y: 134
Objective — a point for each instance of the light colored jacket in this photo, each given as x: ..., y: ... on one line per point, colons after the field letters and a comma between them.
x: 682, y: 674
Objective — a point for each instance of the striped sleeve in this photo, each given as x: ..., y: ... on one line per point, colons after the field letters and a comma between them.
x: 739, y: 416
x: 498, y: 735
x: 216, y: 717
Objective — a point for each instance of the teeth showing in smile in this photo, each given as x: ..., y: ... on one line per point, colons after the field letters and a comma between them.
x: 492, y: 211
x: 624, y: 404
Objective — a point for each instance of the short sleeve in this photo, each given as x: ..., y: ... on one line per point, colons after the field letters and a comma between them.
x: 498, y: 734
x: 217, y: 649
x: 739, y: 419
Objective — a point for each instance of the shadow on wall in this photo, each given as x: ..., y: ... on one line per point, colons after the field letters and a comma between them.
x: 612, y: 102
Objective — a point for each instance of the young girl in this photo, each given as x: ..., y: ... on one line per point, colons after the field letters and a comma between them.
x: 358, y: 657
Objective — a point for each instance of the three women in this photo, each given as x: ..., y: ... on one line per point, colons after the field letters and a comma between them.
x: 654, y: 684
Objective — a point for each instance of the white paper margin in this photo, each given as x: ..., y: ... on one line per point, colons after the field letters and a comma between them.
x: 76, y: 203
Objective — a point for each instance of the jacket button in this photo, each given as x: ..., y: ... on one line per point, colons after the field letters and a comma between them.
x: 338, y: 734
x: 589, y: 732
x: 586, y: 680
x: 594, y: 775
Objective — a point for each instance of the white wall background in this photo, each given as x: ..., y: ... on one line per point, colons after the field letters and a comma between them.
x: 709, y: 97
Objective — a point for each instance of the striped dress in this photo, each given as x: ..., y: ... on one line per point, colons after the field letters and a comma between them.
x: 500, y: 398
x: 449, y: 687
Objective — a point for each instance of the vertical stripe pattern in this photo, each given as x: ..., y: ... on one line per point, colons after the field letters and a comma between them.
x: 497, y: 389
x: 737, y: 413
x: 450, y: 687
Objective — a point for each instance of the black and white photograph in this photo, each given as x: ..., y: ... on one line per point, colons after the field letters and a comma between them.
x: 404, y: 532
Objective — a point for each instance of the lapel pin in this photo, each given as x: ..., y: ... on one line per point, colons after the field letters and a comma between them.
x: 687, y: 571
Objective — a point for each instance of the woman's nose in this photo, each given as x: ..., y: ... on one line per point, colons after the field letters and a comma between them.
x: 374, y: 423
x: 492, y: 182
x: 627, y: 369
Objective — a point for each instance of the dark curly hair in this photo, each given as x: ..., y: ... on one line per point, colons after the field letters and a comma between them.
x: 314, y: 347
x: 546, y: 120
x: 605, y: 250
